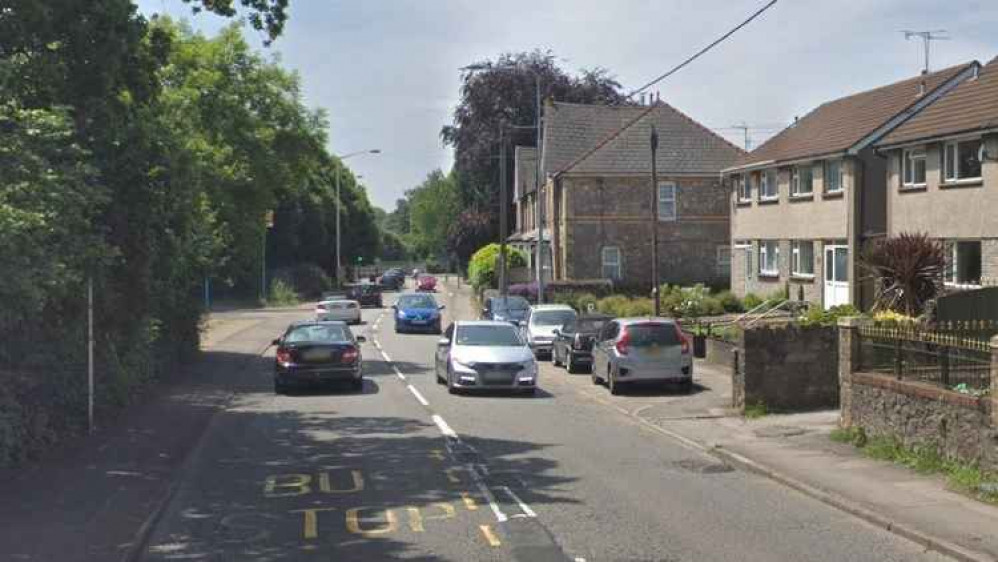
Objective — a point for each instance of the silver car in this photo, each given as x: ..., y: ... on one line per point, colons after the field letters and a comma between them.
x: 540, y: 325
x: 485, y: 354
x: 633, y: 350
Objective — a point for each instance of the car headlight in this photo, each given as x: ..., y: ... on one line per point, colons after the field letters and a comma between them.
x: 460, y: 366
x: 401, y: 315
x: 528, y: 368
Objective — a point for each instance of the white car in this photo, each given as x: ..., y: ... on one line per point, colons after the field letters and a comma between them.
x: 540, y: 325
x: 343, y: 310
x: 485, y: 355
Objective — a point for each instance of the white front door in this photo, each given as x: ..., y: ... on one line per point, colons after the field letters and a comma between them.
x: 836, y: 275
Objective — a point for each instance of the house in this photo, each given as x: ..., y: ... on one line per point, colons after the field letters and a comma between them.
x: 525, y: 174
x: 942, y: 176
x: 804, y: 202
x: 597, y: 195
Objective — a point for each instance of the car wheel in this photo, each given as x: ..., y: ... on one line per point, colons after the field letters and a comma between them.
x: 530, y: 391
x: 450, y: 386
x: 595, y: 378
x: 279, y: 387
x: 570, y: 365
x: 686, y: 387
x: 357, y: 384
x: 612, y: 383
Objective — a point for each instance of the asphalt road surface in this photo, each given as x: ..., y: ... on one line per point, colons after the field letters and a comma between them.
x: 405, y: 471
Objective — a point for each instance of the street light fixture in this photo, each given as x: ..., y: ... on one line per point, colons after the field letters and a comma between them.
x: 339, y: 211
x: 538, y: 207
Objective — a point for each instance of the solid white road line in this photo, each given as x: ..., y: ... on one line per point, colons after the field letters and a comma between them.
x: 385, y: 355
x: 419, y: 396
x: 487, y: 494
x: 444, y: 428
x: 523, y: 506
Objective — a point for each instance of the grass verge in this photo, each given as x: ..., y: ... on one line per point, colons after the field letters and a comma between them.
x: 755, y: 411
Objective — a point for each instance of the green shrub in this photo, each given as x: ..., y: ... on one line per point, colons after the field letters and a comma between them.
x: 729, y: 302
x: 778, y: 296
x: 639, y: 307
x: 614, y: 305
x: 817, y: 316
x: 307, y: 279
x: 281, y: 294
x: 750, y: 301
x: 483, y: 264
x: 583, y: 300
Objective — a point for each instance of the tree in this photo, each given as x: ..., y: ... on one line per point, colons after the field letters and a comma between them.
x: 398, y: 220
x: 504, y: 94
x: 265, y: 15
x: 908, y: 271
x: 432, y: 205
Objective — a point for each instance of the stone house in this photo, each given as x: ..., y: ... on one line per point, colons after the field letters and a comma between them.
x: 598, y: 197
x: 525, y: 232
x: 805, y: 202
x: 942, y: 176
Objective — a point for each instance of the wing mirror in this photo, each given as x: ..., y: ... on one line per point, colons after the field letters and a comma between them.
x: 441, y: 307
x: 521, y: 323
x: 361, y: 339
x: 443, y: 342
x: 276, y: 342
x: 395, y: 307
x: 556, y: 331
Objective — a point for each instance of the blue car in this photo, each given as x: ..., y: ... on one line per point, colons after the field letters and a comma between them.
x: 417, y: 313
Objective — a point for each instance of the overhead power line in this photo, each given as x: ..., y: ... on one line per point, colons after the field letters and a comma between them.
x: 717, y: 41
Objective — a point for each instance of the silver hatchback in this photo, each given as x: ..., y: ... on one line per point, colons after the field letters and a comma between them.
x: 485, y: 355
x: 642, y: 350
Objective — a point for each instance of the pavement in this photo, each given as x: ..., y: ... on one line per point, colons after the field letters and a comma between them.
x: 218, y: 467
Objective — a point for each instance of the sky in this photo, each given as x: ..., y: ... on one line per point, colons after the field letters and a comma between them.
x: 386, y: 71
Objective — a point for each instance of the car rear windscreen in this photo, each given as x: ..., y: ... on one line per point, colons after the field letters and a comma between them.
x: 317, y: 333
x: 652, y: 334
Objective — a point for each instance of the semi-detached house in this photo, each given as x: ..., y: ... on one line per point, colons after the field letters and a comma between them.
x: 943, y: 177
x: 804, y: 203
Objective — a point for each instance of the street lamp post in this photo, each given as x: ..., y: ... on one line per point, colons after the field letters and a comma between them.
x: 339, y: 211
x: 654, y: 223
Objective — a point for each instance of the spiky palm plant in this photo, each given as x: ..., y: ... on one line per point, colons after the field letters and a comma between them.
x: 908, y: 271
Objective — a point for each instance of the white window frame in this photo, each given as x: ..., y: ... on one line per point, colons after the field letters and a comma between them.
x: 723, y: 264
x: 764, y: 258
x: 796, y: 252
x: 955, y: 145
x: 671, y: 188
x: 908, y: 158
x: 618, y: 263
x: 840, y: 176
x: 769, y: 178
x: 797, y: 180
x: 745, y: 247
x: 744, y: 188
x: 954, y: 265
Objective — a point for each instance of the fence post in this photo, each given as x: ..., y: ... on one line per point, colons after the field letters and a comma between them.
x: 849, y: 362
x: 994, y: 382
x: 898, y: 361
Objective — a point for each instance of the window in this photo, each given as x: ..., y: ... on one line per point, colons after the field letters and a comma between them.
x: 833, y: 176
x: 611, y: 262
x: 962, y: 160
x: 802, y: 258
x: 802, y: 181
x: 769, y: 257
x: 767, y: 185
x: 744, y: 187
x: 913, y: 167
x: 724, y: 260
x: 965, y: 263
x: 667, y: 201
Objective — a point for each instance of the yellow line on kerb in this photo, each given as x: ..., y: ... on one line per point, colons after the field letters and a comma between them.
x: 490, y: 537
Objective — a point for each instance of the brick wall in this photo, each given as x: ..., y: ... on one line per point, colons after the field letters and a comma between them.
x: 601, y: 211
x: 788, y: 368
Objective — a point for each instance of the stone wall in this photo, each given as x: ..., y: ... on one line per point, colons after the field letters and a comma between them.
x: 720, y: 352
x: 918, y: 414
x: 788, y: 368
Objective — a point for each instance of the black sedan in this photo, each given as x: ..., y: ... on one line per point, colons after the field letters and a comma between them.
x: 393, y: 279
x: 573, y: 342
x: 367, y: 294
x: 317, y: 353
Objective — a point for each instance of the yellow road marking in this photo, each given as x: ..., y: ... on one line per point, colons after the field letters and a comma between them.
x: 311, y: 520
x: 437, y: 454
x: 450, y: 475
x: 490, y: 537
x: 415, y: 520
x: 469, y: 501
x: 448, y: 509
x: 353, y: 525
x: 358, y: 483
x: 299, y: 481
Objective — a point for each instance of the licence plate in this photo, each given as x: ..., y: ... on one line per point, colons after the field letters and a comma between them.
x: 317, y: 355
x: 417, y: 321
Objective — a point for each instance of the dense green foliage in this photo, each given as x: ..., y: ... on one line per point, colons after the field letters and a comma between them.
x: 484, y: 264
x: 432, y: 206
x: 908, y: 271
x: 144, y: 157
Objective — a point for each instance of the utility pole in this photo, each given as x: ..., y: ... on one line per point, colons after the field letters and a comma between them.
x: 927, y: 38
x: 503, y: 282
x: 90, y: 353
x: 654, y: 222
x: 339, y: 211
x: 744, y: 128
x: 540, y: 192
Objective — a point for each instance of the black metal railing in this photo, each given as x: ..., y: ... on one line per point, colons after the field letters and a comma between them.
x: 938, y: 358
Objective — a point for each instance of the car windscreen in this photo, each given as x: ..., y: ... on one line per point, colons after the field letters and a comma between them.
x: 317, y: 333
x: 585, y: 325
x: 552, y: 317
x: 510, y: 304
x: 502, y: 336
x: 417, y: 302
x: 644, y: 335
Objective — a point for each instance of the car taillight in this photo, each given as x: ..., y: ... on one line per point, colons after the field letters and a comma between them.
x: 577, y: 344
x: 684, y: 342
x: 349, y: 355
x: 624, y: 344
x: 283, y: 355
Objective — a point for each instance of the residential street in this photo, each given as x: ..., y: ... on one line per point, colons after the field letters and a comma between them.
x: 375, y: 476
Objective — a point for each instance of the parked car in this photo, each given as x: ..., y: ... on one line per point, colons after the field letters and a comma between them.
x: 417, y: 312
x: 573, y: 342
x: 393, y: 279
x: 342, y: 310
x: 427, y: 283
x: 506, y: 309
x: 314, y: 352
x: 366, y: 294
x: 642, y: 350
x: 541, y: 323
x: 483, y: 355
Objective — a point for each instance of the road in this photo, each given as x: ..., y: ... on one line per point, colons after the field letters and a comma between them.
x: 405, y: 471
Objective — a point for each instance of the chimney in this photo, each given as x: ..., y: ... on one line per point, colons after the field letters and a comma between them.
x: 921, y: 87
x: 642, y: 99
x: 658, y: 97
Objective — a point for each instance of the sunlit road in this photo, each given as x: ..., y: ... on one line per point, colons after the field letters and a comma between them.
x: 404, y: 470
